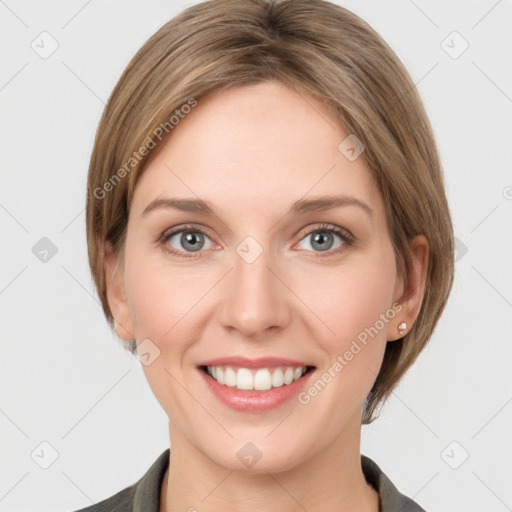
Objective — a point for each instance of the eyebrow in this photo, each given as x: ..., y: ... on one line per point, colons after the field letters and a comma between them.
x: 302, y: 206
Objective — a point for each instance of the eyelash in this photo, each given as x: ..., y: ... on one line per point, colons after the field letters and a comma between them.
x: 348, y: 239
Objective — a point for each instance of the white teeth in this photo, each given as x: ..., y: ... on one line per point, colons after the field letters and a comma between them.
x: 230, y: 377
x: 288, y: 376
x: 262, y: 379
x: 244, y: 379
x: 277, y: 378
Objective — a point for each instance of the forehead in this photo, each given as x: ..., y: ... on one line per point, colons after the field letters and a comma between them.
x: 253, y: 144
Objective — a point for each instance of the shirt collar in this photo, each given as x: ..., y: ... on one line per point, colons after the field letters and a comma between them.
x: 147, y: 491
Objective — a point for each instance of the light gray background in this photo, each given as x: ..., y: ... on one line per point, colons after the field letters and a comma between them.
x: 65, y: 379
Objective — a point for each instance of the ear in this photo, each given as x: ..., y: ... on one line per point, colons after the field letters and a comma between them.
x: 411, y: 296
x: 114, y: 281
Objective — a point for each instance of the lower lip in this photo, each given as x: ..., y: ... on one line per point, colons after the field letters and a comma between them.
x: 255, y: 401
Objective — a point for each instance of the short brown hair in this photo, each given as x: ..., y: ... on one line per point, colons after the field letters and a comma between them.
x: 317, y: 48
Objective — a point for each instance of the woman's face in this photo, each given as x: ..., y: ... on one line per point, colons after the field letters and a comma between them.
x: 265, y: 280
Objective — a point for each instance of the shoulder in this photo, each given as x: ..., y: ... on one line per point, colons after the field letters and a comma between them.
x: 391, y: 499
x: 120, y: 502
x: 142, y: 496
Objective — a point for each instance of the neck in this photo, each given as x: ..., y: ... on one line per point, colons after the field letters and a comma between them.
x: 330, y: 481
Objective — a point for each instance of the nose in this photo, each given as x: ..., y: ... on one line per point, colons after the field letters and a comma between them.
x: 256, y: 299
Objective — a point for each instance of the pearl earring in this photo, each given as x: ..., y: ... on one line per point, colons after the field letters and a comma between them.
x: 402, y: 328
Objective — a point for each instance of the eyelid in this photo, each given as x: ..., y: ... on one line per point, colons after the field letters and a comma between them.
x: 346, y: 236
x: 325, y: 226
x: 191, y: 228
x: 163, y: 239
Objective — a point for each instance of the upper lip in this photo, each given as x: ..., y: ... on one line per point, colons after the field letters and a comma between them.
x: 261, y: 362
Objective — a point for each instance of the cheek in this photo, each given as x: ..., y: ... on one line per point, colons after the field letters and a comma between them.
x: 161, y: 303
x: 347, y: 299
x: 356, y: 301
x: 161, y: 297
x: 352, y: 301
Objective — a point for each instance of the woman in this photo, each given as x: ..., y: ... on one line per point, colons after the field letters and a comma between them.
x: 268, y: 232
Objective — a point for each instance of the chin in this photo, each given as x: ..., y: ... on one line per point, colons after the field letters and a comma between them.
x: 255, y: 457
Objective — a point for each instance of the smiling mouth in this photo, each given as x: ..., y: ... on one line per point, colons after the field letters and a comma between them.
x: 252, y: 379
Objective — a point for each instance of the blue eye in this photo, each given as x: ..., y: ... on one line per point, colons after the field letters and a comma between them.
x: 323, y: 238
x: 192, y: 240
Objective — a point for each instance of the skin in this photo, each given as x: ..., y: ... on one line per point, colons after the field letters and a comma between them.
x: 252, y: 151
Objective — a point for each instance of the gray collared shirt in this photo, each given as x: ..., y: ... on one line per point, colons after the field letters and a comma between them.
x: 144, y: 495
